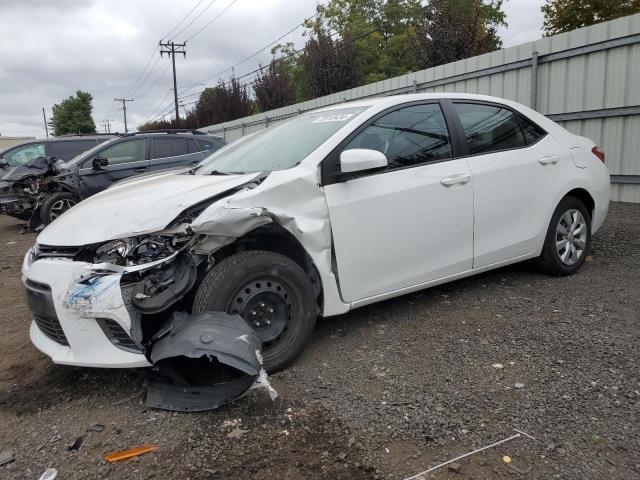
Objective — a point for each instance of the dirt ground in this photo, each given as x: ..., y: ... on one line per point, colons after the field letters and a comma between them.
x: 385, y: 391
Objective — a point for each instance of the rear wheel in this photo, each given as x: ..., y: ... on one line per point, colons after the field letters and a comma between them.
x: 55, y: 205
x: 274, y: 296
x: 568, y: 239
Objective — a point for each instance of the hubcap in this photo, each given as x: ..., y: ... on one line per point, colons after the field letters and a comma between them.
x: 61, y: 206
x: 571, y: 237
x: 265, y: 304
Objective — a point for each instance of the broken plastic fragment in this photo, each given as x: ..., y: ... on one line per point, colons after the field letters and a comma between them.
x: 132, y: 452
x: 203, y: 361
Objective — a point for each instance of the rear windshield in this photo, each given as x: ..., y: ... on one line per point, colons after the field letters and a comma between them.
x: 281, y: 146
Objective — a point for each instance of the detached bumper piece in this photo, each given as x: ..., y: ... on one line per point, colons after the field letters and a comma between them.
x: 204, y: 361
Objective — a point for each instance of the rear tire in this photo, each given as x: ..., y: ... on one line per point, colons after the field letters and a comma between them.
x: 568, y: 240
x: 55, y: 205
x: 272, y: 293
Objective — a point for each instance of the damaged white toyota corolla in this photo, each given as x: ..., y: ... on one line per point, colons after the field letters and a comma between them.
x: 328, y: 211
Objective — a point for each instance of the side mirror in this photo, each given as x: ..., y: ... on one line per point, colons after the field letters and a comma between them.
x: 98, y: 163
x: 359, y: 159
x: 3, y: 163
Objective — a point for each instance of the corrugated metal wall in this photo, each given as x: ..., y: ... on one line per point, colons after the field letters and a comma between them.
x: 588, y: 80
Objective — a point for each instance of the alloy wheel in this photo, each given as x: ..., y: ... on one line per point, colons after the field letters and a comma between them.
x: 571, y: 237
x: 61, y: 206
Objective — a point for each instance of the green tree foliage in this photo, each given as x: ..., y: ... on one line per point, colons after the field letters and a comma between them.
x: 328, y: 65
x: 273, y: 87
x: 566, y: 15
x: 73, y: 115
x: 458, y: 29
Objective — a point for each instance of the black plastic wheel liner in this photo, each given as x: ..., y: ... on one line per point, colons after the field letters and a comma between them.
x: 202, y: 361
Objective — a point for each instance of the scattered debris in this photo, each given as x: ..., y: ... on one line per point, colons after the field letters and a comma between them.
x: 498, y: 365
x: 236, y: 432
x: 76, y: 444
x: 454, y: 467
x: 49, y: 474
x: 506, y: 459
x: 519, y: 385
x: 521, y: 471
x: 10, y: 243
x: 6, y: 456
x: 96, y: 427
x: 454, y: 460
x: 342, y: 456
x: 132, y: 452
x: 203, y: 361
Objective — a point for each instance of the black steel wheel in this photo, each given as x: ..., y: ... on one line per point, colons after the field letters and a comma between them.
x: 272, y: 293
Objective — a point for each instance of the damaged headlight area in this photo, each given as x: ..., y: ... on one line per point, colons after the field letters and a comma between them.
x: 140, y: 250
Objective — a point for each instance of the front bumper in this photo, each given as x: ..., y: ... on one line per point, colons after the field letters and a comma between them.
x: 16, y: 205
x: 67, y: 314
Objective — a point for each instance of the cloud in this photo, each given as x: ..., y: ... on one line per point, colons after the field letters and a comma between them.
x: 53, y: 48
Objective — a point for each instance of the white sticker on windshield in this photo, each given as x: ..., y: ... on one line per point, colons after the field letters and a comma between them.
x: 337, y: 117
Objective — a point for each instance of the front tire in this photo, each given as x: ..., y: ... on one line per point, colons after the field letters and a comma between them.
x: 55, y: 205
x: 274, y: 296
x: 568, y: 240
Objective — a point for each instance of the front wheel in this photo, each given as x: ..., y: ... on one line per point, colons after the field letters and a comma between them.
x: 274, y: 296
x: 55, y: 205
x: 568, y: 239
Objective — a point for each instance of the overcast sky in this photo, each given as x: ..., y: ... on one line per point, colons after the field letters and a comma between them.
x: 51, y: 48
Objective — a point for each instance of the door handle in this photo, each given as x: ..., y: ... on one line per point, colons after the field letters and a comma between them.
x: 461, y: 179
x: 549, y: 160
x: 140, y: 169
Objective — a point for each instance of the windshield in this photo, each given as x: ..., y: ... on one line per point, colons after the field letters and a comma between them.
x: 280, y: 147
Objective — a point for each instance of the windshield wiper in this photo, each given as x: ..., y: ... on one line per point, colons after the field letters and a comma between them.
x: 218, y: 172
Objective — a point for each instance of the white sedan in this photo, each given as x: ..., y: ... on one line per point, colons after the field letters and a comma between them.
x: 325, y: 212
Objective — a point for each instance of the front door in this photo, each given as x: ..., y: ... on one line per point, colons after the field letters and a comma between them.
x: 410, y: 223
x: 125, y: 159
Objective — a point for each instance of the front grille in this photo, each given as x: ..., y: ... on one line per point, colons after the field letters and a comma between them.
x: 50, y: 326
x: 116, y: 335
x: 46, y: 251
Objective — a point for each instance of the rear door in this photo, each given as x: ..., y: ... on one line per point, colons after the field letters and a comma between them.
x: 126, y: 158
x: 407, y: 224
x: 173, y: 151
x: 517, y: 174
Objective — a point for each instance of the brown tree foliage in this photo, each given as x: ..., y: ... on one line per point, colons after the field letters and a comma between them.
x: 273, y: 87
x: 566, y: 15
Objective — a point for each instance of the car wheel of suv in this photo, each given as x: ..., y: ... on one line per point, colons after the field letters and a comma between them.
x: 55, y: 205
x: 274, y: 296
x: 568, y: 239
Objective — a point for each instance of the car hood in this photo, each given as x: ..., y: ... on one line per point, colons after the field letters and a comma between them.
x: 134, y: 208
x: 37, y: 166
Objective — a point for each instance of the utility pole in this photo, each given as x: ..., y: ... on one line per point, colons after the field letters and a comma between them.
x: 46, y: 128
x: 124, y: 110
x: 184, y: 107
x: 171, y: 49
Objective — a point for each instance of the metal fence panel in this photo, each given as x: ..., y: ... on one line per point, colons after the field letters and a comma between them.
x: 588, y: 80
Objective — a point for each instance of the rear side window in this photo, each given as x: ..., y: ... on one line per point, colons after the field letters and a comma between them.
x: 409, y: 136
x: 193, y: 146
x: 68, y: 150
x: 489, y: 128
x: 169, y: 147
x: 532, y: 132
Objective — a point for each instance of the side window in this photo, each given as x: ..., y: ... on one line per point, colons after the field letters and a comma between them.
x: 124, y: 152
x: 68, y: 150
x: 489, y: 128
x: 207, y: 145
x: 193, y: 146
x: 24, y: 154
x: 408, y: 136
x: 532, y: 132
x: 169, y: 147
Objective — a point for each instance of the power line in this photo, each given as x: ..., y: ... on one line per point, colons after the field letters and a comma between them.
x: 141, y: 74
x: 183, y: 19
x: 212, y: 20
x: 255, y: 53
x: 171, y: 49
x: 152, y: 115
x: 135, y: 90
x: 154, y: 83
x: 196, y: 18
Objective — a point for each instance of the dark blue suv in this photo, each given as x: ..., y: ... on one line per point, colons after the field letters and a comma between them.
x: 46, y: 188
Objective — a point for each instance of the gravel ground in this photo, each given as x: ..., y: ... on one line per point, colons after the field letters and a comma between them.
x: 383, y: 392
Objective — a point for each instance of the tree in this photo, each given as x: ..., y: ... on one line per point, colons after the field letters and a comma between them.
x: 328, y: 65
x: 274, y: 87
x: 384, y: 33
x: 458, y: 29
x: 222, y: 103
x: 566, y: 15
x: 73, y: 115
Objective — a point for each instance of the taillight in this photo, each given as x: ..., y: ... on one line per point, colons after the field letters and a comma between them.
x: 597, y: 151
